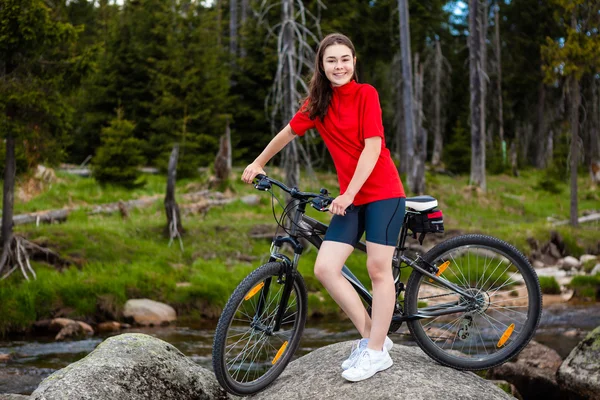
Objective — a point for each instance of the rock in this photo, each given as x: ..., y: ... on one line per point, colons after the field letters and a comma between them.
x: 509, y: 388
x: 579, y: 374
x: 149, y: 312
x: 317, y: 375
x: 58, y: 324
x: 110, y: 326
x: 251, y: 200
x: 569, y: 263
x: 86, y: 328
x: 587, y: 257
x: 5, y: 357
x: 73, y: 329
x: 537, y: 264
x: 572, y: 333
x: 595, y: 270
x: 533, y: 372
x: 131, y: 367
x: 7, y: 396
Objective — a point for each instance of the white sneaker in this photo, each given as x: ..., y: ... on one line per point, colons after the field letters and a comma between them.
x: 369, y: 363
x: 359, y: 347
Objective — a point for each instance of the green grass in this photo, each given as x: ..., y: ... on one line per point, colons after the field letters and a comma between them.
x: 586, y: 287
x: 115, y: 259
x: 549, y: 285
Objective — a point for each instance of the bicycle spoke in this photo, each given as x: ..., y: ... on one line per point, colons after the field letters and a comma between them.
x: 497, y: 292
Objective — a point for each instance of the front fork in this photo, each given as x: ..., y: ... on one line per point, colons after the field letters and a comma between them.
x: 287, y: 275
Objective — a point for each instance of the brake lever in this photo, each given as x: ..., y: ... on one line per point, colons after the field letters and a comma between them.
x: 321, y: 203
x: 263, y: 184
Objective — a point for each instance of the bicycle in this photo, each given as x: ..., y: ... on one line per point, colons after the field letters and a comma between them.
x: 472, y: 302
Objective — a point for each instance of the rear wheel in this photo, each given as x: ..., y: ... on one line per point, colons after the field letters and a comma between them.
x: 500, y: 320
x: 248, y: 354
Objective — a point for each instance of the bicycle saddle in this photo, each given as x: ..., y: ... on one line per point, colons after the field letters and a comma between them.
x: 421, y: 203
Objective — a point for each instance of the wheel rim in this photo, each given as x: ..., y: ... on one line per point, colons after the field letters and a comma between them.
x: 497, y: 320
x: 252, y: 350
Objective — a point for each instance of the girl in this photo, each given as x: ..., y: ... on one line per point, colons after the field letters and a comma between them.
x: 347, y: 115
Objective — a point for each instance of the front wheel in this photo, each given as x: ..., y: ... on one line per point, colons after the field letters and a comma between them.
x: 503, y: 301
x: 248, y: 352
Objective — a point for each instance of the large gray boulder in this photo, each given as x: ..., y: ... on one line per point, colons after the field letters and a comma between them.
x: 131, y: 367
x: 533, y: 372
x: 413, y: 376
x: 579, y: 374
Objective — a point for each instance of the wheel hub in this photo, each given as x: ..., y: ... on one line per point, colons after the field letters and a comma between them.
x: 480, y: 303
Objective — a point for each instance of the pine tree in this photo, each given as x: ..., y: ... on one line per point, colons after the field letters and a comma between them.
x: 118, y: 158
x: 38, y: 67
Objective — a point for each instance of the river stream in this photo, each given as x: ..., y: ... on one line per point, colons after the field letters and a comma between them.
x: 34, y: 358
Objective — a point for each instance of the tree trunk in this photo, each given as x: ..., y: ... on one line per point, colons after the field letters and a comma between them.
x: 291, y: 161
x: 174, y: 227
x: 477, y: 177
x: 233, y: 30
x: 574, y: 150
x: 223, y: 158
x: 219, y: 21
x: 421, y: 137
x: 540, y: 156
x: 10, y: 168
x: 400, y: 142
x: 594, y: 139
x: 243, y: 18
x: 437, y: 107
x: 498, y: 48
x: 409, y: 122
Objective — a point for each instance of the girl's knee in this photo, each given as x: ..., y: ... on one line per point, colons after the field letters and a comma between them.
x: 321, y: 272
x: 378, y: 268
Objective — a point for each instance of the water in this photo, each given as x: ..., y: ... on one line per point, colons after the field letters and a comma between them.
x: 33, y: 359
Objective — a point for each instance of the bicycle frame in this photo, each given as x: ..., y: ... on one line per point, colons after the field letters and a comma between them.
x: 318, y: 228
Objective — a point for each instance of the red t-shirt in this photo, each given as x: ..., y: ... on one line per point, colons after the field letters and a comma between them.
x: 354, y: 115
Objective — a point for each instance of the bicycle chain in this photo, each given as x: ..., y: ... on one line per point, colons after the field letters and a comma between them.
x: 438, y: 295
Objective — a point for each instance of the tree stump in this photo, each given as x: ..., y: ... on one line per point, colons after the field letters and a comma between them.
x: 174, y: 227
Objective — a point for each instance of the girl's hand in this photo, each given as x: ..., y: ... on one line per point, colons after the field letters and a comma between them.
x: 251, y: 171
x: 339, y: 204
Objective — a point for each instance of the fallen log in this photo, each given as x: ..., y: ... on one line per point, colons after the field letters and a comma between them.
x: 47, y: 217
x: 60, y: 215
x: 587, y: 218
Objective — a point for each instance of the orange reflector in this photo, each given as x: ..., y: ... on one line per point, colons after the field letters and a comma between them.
x: 280, y: 352
x: 506, y: 335
x: 254, y: 290
x: 441, y: 269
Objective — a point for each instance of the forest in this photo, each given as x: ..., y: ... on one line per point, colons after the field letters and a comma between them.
x: 479, y: 87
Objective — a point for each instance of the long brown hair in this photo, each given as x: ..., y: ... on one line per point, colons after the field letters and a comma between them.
x: 320, y: 91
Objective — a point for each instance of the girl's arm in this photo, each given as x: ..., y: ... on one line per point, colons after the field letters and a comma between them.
x: 366, y: 164
x: 275, y: 145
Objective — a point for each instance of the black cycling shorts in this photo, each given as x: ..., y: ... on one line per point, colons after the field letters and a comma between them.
x: 381, y: 220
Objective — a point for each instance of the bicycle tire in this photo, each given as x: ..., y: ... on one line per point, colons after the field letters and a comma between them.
x: 235, y: 375
x: 494, y: 310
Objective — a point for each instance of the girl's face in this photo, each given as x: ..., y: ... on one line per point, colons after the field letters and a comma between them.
x: 338, y: 64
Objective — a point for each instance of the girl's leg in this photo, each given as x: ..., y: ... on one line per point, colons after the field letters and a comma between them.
x: 328, y: 270
x: 379, y: 261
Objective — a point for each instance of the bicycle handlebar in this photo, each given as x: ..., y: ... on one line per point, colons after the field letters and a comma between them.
x: 319, y: 201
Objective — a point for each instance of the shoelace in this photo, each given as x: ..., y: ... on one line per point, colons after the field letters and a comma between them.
x: 358, y: 348
x: 364, y: 355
